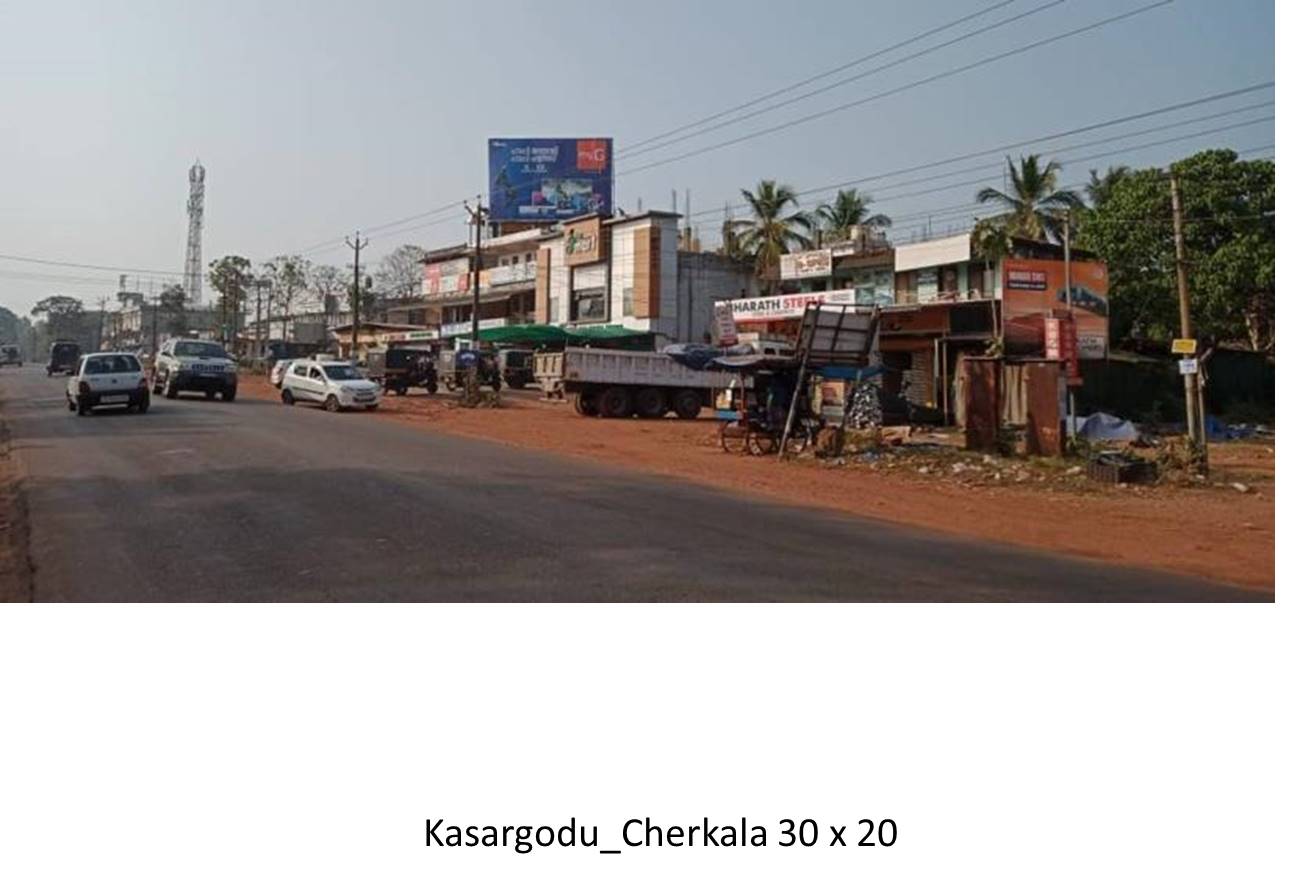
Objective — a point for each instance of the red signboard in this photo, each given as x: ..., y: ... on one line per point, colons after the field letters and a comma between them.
x: 1061, y: 345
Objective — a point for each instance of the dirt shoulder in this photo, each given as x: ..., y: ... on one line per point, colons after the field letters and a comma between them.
x: 1213, y: 531
x: 15, y: 561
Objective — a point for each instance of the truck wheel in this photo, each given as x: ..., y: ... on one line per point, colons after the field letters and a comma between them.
x: 687, y: 403
x: 615, y: 403
x: 651, y: 404
x: 586, y: 403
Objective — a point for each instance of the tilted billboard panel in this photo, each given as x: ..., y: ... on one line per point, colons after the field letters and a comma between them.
x: 550, y: 179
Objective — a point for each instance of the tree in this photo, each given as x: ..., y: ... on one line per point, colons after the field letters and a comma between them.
x: 63, y: 316
x: 288, y: 276
x: 1100, y: 186
x: 171, y: 311
x: 851, y: 208
x: 10, y: 326
x: 329, y: 283
x: 773, y: 229
x: 1228, y: 207
x: 1035, y: 207
x: 401, y: 274
x: 230, y: 277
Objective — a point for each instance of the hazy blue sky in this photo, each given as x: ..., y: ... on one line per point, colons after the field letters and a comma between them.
x: 316, y: 118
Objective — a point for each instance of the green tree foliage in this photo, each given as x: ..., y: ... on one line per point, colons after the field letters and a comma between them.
x: 64, y: 316
x: 329, y: 284
x: 230, y: 277
x: 11, y: 327
x: 775, y: 228
x: 1034, y: 207
x: 1228, y: 207
x: 171, y: 311
x: 850, y: 208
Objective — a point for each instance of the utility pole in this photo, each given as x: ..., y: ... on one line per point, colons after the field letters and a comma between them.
x: 260, y: 283
x: 1193, y: 415
x: 1068, y: 299
x: 356, y: 245
x: 103, y: 305
x: 476, y: 214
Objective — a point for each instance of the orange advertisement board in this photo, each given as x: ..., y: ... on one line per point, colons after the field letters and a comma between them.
x: 1034, y: 289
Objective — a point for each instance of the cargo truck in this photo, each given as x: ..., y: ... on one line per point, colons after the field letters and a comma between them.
x: 618, y: 384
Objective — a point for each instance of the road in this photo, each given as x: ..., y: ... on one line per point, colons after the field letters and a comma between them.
x: 254, y: 501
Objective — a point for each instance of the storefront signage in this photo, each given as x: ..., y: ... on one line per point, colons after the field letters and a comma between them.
x: 806, y: 265
x: 727, y: 332
x: 1061, y: 345
x: 786, y: 306
x: 583, y: 242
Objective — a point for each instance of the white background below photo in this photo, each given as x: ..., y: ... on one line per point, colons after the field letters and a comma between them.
x: 314, y: 742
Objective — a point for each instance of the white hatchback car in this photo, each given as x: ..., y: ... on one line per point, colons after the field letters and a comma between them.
x: 104, y: 379
x: 334, y: 385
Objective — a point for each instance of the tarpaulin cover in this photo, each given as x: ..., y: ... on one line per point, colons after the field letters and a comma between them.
x: 1106, y: 427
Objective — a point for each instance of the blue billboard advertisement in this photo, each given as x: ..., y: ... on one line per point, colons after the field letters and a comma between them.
x: 550, y: 179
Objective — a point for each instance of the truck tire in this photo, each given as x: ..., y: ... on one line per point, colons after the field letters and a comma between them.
x: 687, y: 403
x: 616, y: 403
x: 586, y: 403
x: 515, y: 383
x: 651, y: 403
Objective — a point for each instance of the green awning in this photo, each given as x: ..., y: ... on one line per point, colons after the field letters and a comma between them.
x: 533, y: 335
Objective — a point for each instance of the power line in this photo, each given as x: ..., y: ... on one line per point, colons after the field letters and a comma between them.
x: 1003, y: 148
x: 851, y: 79
x: 964, y: 68
x: 809, y: 80
x: 65, y: 263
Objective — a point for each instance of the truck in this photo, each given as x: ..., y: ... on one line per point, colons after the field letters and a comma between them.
x: 617, y: 384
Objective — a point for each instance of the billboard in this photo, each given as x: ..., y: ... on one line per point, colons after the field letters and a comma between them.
x: 806, y: 264
x: 1036, y: 288
x: 550, y: 179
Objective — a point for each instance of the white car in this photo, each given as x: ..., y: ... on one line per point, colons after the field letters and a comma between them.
x: 335, y: 385
x: 107, y: 379
x: 278, y: 370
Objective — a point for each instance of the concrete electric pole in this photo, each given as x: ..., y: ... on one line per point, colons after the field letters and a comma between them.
x: 1194, y: 417
x: 356, y: 245
x: 477, y: 215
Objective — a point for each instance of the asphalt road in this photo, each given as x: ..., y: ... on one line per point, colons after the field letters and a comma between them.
x: 254, y: 501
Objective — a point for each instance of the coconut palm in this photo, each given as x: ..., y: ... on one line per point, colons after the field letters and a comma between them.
x: 776, y: 227
x: 851, y: 208
x: 1100, y: 187
x: 1035, y: 206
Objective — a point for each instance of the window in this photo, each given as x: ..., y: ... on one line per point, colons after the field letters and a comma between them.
x: 299, y: 370
x: 628, y: 301
x: 316, y: 375
x: 112, y: 364
x: 589, y: 305
x: 343, y: 372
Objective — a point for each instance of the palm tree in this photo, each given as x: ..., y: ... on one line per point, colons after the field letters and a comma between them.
x: 771, y: 231
x: 851, y: 208
x: 1100, y: 187
x: 1035, y: 206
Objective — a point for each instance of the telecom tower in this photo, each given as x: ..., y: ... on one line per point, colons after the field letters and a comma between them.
x: 194, y: 249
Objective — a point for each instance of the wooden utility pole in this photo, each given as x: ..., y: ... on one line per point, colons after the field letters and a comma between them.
x: 1068, y: 299
x: 356, y: 245
x: 1194, y: 420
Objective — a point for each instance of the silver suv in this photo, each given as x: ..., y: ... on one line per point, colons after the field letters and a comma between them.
x: 195, y: 366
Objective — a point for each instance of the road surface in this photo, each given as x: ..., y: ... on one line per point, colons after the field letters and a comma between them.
x: 255, y: 501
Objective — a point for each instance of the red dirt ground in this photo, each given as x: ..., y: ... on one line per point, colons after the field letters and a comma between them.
x: 1211, y: 531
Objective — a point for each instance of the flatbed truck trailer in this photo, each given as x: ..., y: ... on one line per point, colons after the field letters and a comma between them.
x: 618, y: 384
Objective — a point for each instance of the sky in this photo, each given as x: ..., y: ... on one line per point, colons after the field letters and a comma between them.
x: 317, y: 119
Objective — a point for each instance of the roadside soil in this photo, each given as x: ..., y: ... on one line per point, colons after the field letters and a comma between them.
x: 1211, y: 530
x: 15, y: 565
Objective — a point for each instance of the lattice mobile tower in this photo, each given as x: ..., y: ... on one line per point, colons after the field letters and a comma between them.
x: 194, y: 248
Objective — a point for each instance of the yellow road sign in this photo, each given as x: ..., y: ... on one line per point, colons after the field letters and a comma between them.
x: 1182, y: 346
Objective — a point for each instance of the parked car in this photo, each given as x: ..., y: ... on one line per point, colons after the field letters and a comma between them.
x: 64, y: 355
x: 336, y: 386
x: 108, y: 379
x: 10, y: 354
x: 278, y: 370
x: 186, y: 365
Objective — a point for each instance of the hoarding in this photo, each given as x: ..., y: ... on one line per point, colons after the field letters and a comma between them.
x: 550, y: 179
x: 806, y: 265
x: 785, y: 306
x: 583, y: 242
x: 1035, y: 288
